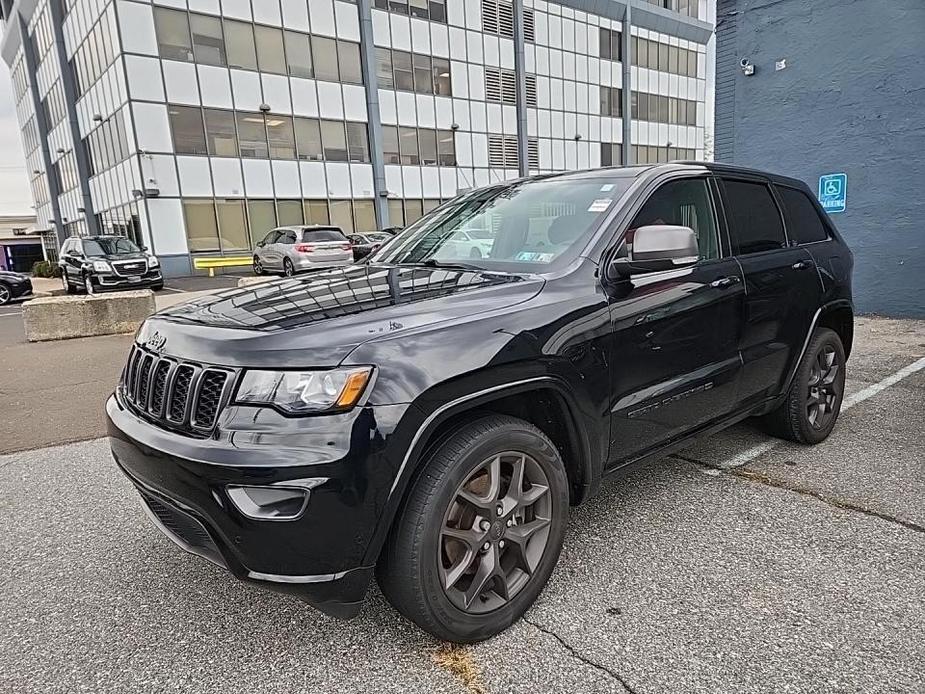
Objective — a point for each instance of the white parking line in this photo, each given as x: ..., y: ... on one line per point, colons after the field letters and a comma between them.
x: 748, y: 455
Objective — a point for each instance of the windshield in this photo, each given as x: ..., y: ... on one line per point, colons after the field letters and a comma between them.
x: 110, y: 246
x: 522, y: 227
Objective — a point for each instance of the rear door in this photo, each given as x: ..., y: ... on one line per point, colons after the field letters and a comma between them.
x: 675, y: 360
x: 783, y: 290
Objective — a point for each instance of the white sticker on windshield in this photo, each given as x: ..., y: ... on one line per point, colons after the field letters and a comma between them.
x: 607, y: 187
x: 599, y: 205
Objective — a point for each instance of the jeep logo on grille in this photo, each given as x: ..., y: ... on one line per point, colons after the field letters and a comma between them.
x: 156, y: 342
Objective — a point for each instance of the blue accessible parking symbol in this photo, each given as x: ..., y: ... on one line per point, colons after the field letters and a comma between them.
x: 833, y: 192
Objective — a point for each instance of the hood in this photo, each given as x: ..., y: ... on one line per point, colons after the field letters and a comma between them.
x: 118, y: 257
x: 317, y: 320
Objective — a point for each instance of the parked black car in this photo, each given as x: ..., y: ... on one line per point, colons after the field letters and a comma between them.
x: 96, y: 263
x: 366, y: 243
x: 431, y: 418
x: 14, y: 285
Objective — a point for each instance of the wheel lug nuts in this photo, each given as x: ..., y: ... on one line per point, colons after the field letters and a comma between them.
x: 500, y: 510
x: 510, y: 522
x: 501, y: 544
x: 485, y: 525
x: 486, y: 546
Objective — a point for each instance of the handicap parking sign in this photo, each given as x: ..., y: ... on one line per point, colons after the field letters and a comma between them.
x: 833, y: 192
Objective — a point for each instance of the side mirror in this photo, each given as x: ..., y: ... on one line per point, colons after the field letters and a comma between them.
x: 656, y: 248
x: 261, y: 244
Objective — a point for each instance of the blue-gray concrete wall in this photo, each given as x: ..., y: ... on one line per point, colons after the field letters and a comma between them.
x: 851, y: 99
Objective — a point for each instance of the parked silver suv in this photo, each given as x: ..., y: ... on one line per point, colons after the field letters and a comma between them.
x: 298, y: 248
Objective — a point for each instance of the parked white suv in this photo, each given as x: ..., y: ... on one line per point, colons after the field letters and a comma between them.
x: 289, y: 250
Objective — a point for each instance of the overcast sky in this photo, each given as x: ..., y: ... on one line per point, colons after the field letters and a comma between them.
x: 15, y: 196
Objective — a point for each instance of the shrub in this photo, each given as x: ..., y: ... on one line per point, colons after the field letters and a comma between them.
x: 43, y: 268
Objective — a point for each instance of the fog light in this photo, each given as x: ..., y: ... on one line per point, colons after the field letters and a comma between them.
x: 276, y: 503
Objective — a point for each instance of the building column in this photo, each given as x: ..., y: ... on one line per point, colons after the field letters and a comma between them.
x: 66, y: 75
x: 520, y: 72
x: 371, y: 85
x: 41, y: 125
x: 627, y: 42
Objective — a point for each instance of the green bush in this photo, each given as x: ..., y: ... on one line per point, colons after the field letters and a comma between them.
x: 43, y: 268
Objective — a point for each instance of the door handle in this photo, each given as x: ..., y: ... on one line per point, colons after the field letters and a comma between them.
x: 802, y: 265
x: 724, y: 282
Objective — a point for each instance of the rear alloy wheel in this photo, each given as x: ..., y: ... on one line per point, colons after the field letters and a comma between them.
x: 5, y: 294
x: 288, y: 268
x: 813, y: 403
x: 480, y: 532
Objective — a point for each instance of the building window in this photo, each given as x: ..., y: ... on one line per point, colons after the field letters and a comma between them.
x: 289, y: 213
x: 261, y: 218
x: 419, y: 73
x: 611, y: 45
x: 232, y: 225
x: 186, y: 126
x: 434, y: 10
x: 403, y: 213
x: 689, y: 8
x: 107, y: 145
x: 220, y: 133
x: 502, y: 152
x: 239, y: 45
x: 95, y: 54
x: 651, y: 154
x: 208, y: 43
x: 281, y: 137
x: 612, y: 101
x: 418, y: 146
x: 173, y: 34
x: 357, y: 143
x: 348, y: 59
x: 299, y: 55
x: 271, y: 56
x: 658, y: 108
x: 308, y: 139
x: 201, y: 225
x: 252, y: 135
x: 611, y: 154
x: 659, y: 56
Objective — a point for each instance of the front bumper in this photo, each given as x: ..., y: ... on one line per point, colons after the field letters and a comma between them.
x: 105, y: 281
x: 322, y: 556
x: 20, y: 290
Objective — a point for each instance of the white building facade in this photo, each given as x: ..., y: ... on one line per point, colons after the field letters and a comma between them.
x: 196, y: 126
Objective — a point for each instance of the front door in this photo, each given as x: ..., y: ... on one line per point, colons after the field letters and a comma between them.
x: 675, y: 360
x: 783, y: 289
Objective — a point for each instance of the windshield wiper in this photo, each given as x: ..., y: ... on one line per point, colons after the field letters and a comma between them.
x: 431, y: 262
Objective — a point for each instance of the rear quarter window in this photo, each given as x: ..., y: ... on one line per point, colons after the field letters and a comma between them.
x: 321, y: 235
x: 804, y: 224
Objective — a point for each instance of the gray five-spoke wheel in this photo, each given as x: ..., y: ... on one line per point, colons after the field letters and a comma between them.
x: 494, y: 532
x: 822, y: 389
x: 5, y: 294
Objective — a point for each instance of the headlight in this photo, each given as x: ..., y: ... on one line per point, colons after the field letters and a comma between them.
x: 153, y: 261
x: 304, y: 392
x: 101, y: 266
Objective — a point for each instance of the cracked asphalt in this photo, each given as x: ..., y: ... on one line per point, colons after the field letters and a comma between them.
x: 801, y: 571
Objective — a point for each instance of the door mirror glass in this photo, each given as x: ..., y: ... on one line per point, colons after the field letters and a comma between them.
x: 656, y: 248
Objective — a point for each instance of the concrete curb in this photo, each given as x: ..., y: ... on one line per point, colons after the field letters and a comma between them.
x: 64, y: 317
x: 250, y: 281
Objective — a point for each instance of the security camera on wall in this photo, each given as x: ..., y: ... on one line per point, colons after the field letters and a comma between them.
x: 747, y: 68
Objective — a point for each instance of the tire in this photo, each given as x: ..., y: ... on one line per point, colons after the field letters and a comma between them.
x: 416, y: 561
x: 88, y: 286
x: 811, y: 407
x: 288, y: 268
x: 258, y: 266
x: 68, y: 289
x: 475, y: 254
x: 6, y: 294
x: 157, y: 287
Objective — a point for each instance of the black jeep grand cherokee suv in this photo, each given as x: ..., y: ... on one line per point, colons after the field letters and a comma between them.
x: 430, y: 418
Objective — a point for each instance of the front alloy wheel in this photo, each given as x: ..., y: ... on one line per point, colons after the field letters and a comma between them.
x: 5, y: 294
x: 495, y: 532
x: 88, y: 285
x: 479, y: 532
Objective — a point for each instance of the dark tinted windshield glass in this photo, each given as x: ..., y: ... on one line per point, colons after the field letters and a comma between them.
x: 319, y: 235
x: 754, y: 219
x: 804, y: 223
x: 524, y: 226
x: 113, y: 246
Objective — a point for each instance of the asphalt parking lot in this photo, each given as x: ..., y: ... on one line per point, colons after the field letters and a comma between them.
x: 739, y: 565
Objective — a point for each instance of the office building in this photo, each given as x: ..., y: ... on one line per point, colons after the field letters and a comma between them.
x: 195, y: 126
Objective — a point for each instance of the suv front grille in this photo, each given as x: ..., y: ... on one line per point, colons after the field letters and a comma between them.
x: 179, y: 394
x: 130, y: 268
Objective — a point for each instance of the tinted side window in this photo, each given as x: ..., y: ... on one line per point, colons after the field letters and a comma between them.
x: 805, y: 224
x: 683, y: 203
x: 754, y: 220
x: 287, y: 237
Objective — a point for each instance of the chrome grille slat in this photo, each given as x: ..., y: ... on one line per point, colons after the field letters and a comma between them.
x: 182, y: 395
